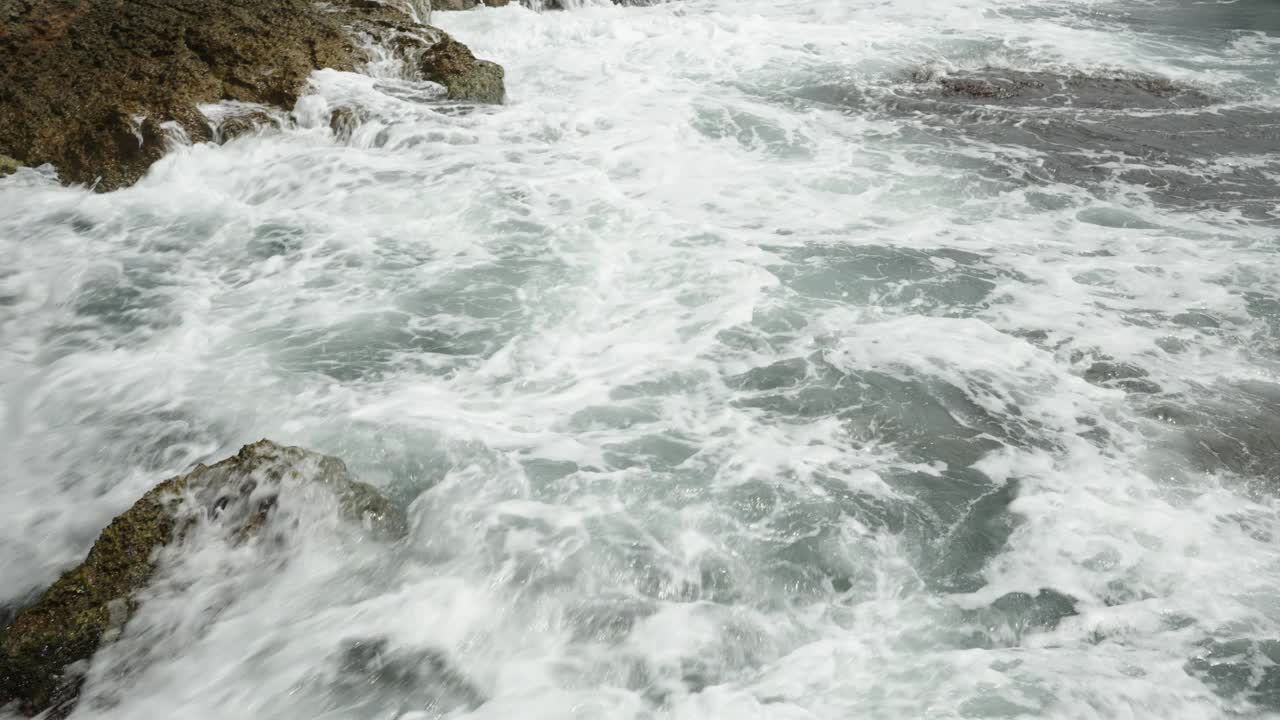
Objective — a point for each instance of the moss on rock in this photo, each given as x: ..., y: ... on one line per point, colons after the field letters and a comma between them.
x: 67, y: 623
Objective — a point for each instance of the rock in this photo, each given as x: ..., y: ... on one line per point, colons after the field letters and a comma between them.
x: 465, y: 4
x: 234, y: 126
x: 86, y: 85
x: 344, y: 121
x: 1119, y: 90
x: 67, y: 623
x: 8, y: 165
x: 467, y: 79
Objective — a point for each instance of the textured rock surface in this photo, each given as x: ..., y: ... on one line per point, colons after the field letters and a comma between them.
x: 89, y: 85
x: 467, y: 79
x: 67, y: 622
x: 1118, y: 90
x: 247, y: 123
x: 75, y: 75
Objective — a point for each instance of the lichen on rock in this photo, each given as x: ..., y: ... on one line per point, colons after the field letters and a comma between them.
x: 67, y: 623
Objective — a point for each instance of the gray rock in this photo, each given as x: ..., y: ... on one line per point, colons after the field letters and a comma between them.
x: 1118, y: 90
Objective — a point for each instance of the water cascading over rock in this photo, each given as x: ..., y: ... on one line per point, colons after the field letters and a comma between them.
x: 239, y: 496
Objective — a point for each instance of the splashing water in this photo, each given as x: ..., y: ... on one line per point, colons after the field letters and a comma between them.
x: 723, y: 371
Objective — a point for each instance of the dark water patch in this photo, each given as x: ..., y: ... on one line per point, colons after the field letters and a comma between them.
x: 1108, y: 373
x: 925, y: 420
x: 981, y: 533
x: 607, y: 619
x: 1203, y: 21
x: 1237, y: 432
x: 372, y: 346
x: 1007, y: 621
x: 945, y: 282
x: 803, y: 543
x: 1264, y: 307
x: 372, y: 678
x: 1123, y: 136
x: 751, y: 132
x: 1114, y: 138
x: 1241, y: 669
x: 115, y: 305
x: 660, y: 451
x: 1020, y: 613
x: 738, y: 646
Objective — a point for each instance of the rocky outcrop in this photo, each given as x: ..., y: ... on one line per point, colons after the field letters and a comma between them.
x: 67, y: 623
x: 95, y: 87
x: 451, y: 64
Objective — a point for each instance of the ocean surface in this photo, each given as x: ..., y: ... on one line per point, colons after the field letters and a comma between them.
x: 735, y: 368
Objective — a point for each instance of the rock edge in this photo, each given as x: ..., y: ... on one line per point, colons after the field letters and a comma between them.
x: 67, y: 623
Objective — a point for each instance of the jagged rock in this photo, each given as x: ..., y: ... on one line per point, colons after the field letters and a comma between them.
x: 234, y: 126
x: 86, y: 85
x: 67, y: 623
x: 451, y: 64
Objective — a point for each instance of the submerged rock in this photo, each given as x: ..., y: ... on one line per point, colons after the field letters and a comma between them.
x: 67, y: 623
x: 372, y: 676
x: 1120, y: 90
x: 86, y: 85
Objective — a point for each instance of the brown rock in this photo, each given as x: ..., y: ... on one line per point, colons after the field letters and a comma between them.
x: 84, y: 84
x: 68, y: 621
x: 247, y: 123
x: 451, y: 64
x: 344, y: 121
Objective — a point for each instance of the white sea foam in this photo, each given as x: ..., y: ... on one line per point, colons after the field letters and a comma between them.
x: 689, y: 382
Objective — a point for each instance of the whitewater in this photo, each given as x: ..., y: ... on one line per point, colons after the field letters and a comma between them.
x: 723, y: 372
